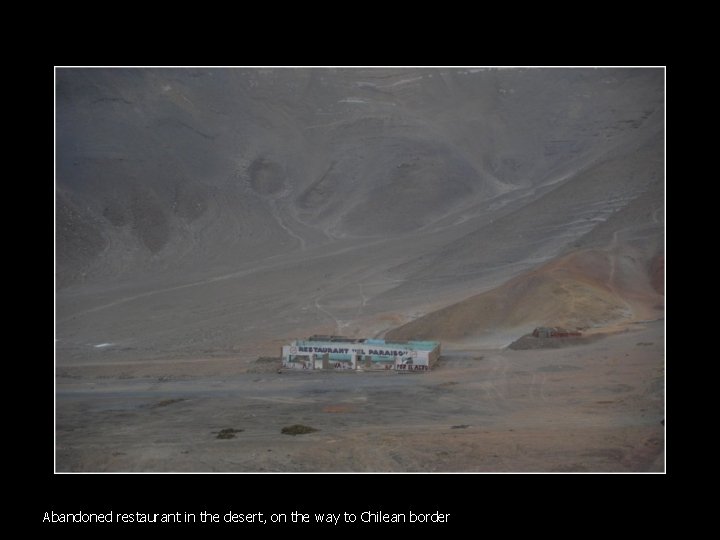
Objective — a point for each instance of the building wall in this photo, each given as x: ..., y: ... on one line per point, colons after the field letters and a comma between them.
x: 371, y: 355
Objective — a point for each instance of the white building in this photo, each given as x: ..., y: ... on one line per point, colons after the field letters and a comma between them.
x: 336, y: 352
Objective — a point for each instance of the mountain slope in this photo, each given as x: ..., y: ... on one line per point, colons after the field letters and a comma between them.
x: 209, y: 210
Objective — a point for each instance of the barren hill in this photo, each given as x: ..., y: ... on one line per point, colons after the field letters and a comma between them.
x: 211, y: 211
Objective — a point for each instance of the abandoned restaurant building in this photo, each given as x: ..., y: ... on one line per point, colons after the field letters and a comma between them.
x: 342, y: 353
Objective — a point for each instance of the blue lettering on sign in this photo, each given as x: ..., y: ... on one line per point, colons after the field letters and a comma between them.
x: 380, y: 352
x: 336, y: 350
x: 332, y: 350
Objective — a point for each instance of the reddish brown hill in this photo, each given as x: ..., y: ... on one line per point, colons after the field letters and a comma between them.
x: 591, y: 288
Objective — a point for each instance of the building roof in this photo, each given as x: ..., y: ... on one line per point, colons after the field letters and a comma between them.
x: 412, y: 345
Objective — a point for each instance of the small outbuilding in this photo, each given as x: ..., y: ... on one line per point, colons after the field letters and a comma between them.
x: 553, y: 332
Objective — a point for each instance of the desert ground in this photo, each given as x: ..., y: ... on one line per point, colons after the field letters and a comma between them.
x: 206, y: 217
x: 595, y: 407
